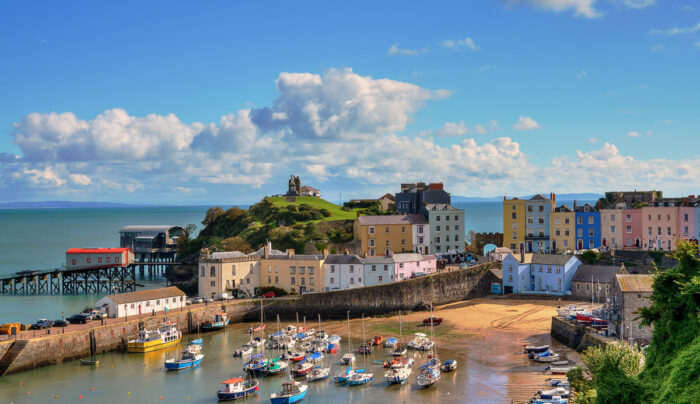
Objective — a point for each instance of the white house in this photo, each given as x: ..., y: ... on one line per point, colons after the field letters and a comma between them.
x: 343, y: 271
x: 539, y: 273
x: 421, y: 234
x: 142, y: 302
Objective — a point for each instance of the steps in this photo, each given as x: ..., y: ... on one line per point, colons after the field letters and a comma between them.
x: 11, y: 354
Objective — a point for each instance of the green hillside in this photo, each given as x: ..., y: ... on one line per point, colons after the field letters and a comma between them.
x: 337, y: 213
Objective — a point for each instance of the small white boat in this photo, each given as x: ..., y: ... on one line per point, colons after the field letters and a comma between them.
x: 428, y: 376
x: 397, y: 375
x: 290, y: 330
x: 244, y: 350
x: 257, y: 342
x: 334, y: 339
x: 553, y: 357
x: 348, y: 358
x: 557, y: 391
x: 419, y: 342
x: 357, y: 379
x: 318, y: 374
x: 559, y: 370
x: 448, y: 365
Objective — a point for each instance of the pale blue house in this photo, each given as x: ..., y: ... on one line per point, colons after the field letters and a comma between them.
x: 537, y: 213
x: 539, y: 273
x: 379, y: 270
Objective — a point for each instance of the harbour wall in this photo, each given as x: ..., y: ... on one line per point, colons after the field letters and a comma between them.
x: 414, y: 294
x: 576, y: 336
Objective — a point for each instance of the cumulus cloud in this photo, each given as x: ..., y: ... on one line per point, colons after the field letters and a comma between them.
x: 638, y: 4
x: 526, y: 123
x: 466, y: 43
x: 396, y: 50
x: 673, y: 31
x: 633, y: 134
x: 581, y: 8
x: 452, y: 129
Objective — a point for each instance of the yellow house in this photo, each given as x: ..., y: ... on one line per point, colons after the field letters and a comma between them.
x: 562, y: 229
x: 514, y: 224
x: 295, y: 273
x: 383, y: 235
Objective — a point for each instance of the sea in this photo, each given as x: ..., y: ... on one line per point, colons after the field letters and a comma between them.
x: 38, y: 239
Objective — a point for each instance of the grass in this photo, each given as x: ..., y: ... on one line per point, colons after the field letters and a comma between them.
x: 336, y: 212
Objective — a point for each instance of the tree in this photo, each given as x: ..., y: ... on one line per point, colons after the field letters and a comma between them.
x: 212, y: 215
x: 236, y: 243
x: 590, y: 256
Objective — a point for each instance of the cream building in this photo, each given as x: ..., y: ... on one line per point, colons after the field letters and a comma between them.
x: 296, y: 273
x: 562, y: 228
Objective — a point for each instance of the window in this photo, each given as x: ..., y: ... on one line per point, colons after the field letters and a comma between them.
x: 558, y: 270
x: 332, y: 269
x: 590, y: 220
x: 685, y: 217
x: 277, y: 270
x: 88, y: 260
x: 612, y: 217
x: 387, y: 229
x: 420, y: 240
x: 437, y: 218
x: 549, y: 270
x: 567, y: 232
x: 233, y: 270
x: 591, y: 244
x: 303, y: 281
x: 294, y: 280
x: 212, y: 271
x: 420, y: 229
x: 202, y: 268
x: 658, y: 217
x: 148, y: 303
x: 612, y: 229
x: 515, y: 237
x: 540, y: 208
x: 374, y: 268
x: 252, y: 269
x: 578, y: 287
x: 447, y: 218
x: 73, y: 262
x: 588, y: 287
x: 447, y: 238
x: 685, y: 230
x: 668, y: 218
x: 371, y: 242
x: 380, y: 278
x: 311, y: 270
x: 541, y: 234
x: 579, y: 220
x: 510, y: 268
x: 590, y: 232
x: 585, y: 208
x: 529, y: 209
x: 447, y: 228
x: 668, y: 231
x: 269, y: 279
x: 456, y: 227
x: 513, y: 214
x: 352, y: 268
x: 649, y: 229
x: 213, y: 284
x: 437, y: 239
x: 580, y: 232
x: 371, y: 229
x: 292, y: 270
x: 510, y: 278
x: 277, y: 279
x: 437, y: 228
x: 403, y: 229
x: 302, y: 270
x: 247, y: 280
x: 540, y: 220
x: 371, y: 252
x: 109, y: 259
x: 456, y: 238
x: 387, y: 243
x: 628, y: 229
x: 332, y: 279
x: 116, y: 259
x: 352, y: 281
x: 540, y: 268
x: 557, y: 232
x: 403, y: 241
x: 658, y: 231
x: 311, y: 281
x: 269, y: 269
x: 566, y: 220
x: 566, y: 242
x: 530, y: 220
x: 628, y: 218
x: 387, y: 252
x: 132, y: 305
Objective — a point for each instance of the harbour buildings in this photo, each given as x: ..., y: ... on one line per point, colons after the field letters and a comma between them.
x: 384, y: 235
x: 539, y: 273
x: 562, y: 229
x: 142, y: 302
x: 379, y: 270
x: 630, y: 293
x: 612, y: 226
x: 514, y: 224
x: 587, y: 227
x: 228, y: 273
x: 594, y: 282
x: 446, y: 229
x: 343, y: 271
x: 297, y: 273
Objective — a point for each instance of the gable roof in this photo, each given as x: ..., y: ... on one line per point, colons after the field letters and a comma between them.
x: 551, y: 259
x: 148, y: 294
x: 379, y: 259
x: 387, y: 196
x: 309, y: 188
x: 440, y: 206
x: 343, y: 259
x: 563, y: 208
x: 598, y: 273
x: 635, y: 283
x: 387, y: 219
x: 406, y: 257
x: 538, y: 197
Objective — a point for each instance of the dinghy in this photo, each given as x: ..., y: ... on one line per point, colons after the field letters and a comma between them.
x: 292, y: 392
x: 317, y: 374
x: 557, y: 391
x: 448, y: 365
x: 235, y: 388
x: 391, y: 342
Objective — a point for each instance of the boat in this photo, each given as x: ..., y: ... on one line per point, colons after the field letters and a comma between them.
x: 290, y: 330
x: 257, y: 342
x: 535, y: 349
x: 301, y: 368
x: 349, y: 357
x: 318, y: 373
x: 334, y: 339
x: 557, y: 391
x: 332, y: 348
x: 427, y: 345
x: 553, y: 400
x: 276, y: 366
x: 390, y: 363
x: 365, y: 349
x: 559, y: 370
x: 315, y: 357
x: 448, y: 365
x: 217, y: 322
x: 553, y: 357
x: 197, y: 341
x: 558, y: 382
x: 403, y: 363
x: 397, y: 375
x: 390, y: 342
x: 189, y: 359
x: 428, y: 376
x: 165, y: 336
x: 433, y: 363
x: 244, y: 350
x: 259, y: 328
x: 237, y: 387
x: 294, y: 356
x: 535, y: 355
x: 90, y: 362
x: 400, y: 349
x: 357, y: 379
x: 376, y: 340
x: 292, y: 392
x: 342, y: 376
x: 256, y: 364
x: 419, y: 342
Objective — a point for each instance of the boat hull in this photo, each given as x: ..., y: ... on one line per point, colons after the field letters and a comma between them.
x: 214, y: 326
x: 177, y: 365
x: 235, y: 395
x: 150, y: 346
x: 359, y: 382
x: 288, y: 399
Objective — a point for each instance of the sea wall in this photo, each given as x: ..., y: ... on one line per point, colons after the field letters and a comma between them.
x: 576, y: 336
x: 415, y: 294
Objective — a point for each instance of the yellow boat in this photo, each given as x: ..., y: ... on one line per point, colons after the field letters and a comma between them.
x: 165, y: 336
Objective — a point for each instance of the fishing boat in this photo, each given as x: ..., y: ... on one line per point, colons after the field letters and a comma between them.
x: 334, y: 339
x: 237, y: 387
x: 315, y: 357
x: 332, y: 348
x: 349, y: 357
x: 397, y: 375
x: 256, y: 364
x: 376, y: 340
x: 90, y: 362
x: 294, y: 356
x: 553, y: 400
x: 165, y: 336
x: 557, y: 391
x: 559, y: 370
x: 255, y: 329
x: 343, y: 375
x: 357, y: 379
x: 217, y: 322
x: 391, y: 342
x: 244, y: 350
x: 535, y: 349
x: 301, y: 368
x: 365, y: 349
x: 292, y: 392
x: 428, y: 376
x: 276, y: 366
x: 318, y: 373
x: 189, y: 359
x: 419, y: 341
x: 448, y: 365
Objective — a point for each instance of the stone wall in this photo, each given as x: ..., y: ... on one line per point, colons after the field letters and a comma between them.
x: 481, y: 239
x: 576, y: 336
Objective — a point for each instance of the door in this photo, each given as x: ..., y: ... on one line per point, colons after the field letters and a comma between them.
x: 605, y: 243
x: 554, y: 245
x: 580, y: 245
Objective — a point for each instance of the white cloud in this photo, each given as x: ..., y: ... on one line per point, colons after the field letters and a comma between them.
x: 633, y: 134
x: 526, y: 123
x: 466, y: 43
x: 658, y: 47
x: 453, y: 129
x: 581, y: 74
x: 80, y: 179
x: 396, y: 50
x: 676, y: 30
x: 581, y: 8
x: 638, y: 4
x: 592, y: 140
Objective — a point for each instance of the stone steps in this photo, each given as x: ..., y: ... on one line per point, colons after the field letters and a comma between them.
x: 11, y: 354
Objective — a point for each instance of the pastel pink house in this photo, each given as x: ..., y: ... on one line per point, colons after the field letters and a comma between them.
x: 632, y: 228
x: 410, y: 264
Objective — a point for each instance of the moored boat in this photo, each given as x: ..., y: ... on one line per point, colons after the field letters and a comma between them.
x: 292, y: 392
x: 552, y: 357
x: 332, y: 348
x: 189, y: 359
x: 301, y: 368
x: 391, y: 342
x: 559, y: 370
x: 294, y: 356
x: 535, y: 349
x: 428, y: 376
x: 315, y: 357
x: 257, y: 342
x: 357, y: 379
x: 237, y: 387
x: 376, y: 340
x: 276, y: 366
x: 557, y: 391
x: 244, y: 350
x: 318, y: 373
x: 165, y: 336
x: 290, y: 330
x: 343, y: 375
x: 403, y: 363
x: 90, y: 362
x: 364, y: 349
x: 553, y: 400
x: 397, y: 375
x: 218, y: 322
x: 256, y: 364
x: 418, y: 341
x: 334, y: 339
x: 255, y: 329
x: 448, y: 365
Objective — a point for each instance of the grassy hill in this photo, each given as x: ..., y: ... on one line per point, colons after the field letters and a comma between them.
x: 336, y: 212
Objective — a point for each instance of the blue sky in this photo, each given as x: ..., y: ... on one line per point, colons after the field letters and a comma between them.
x: 218, y: 102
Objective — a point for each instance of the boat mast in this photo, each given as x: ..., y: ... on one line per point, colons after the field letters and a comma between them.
x: 403, y: 340
x: 349, y: 337
x: 364, y: 356
x: 432, y: 337
x: 319, y: 321
x: 278, y: 335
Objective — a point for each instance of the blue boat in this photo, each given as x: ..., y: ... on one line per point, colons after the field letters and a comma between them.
x: 235, y: 388
x: 292, y: 392
x: 391, y: 342
x: 256, y: 364
x: 555, y: 400
x: 189, y: 359
x: 197, y: 341
x: 448, y: 365
x: 342, y: 377
x: 219, y: 322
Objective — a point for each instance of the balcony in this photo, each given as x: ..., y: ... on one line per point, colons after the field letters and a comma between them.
x: 536, y: 238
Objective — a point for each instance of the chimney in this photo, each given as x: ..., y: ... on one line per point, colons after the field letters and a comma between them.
x: 575, y: 205
x: 268, y: 248
x: 290, y: 252
x: 346, y: 251
x: 522, y: 254
x: 325, y: 253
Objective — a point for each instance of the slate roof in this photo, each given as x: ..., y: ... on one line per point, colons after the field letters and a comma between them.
x: 300, y: 257
x: 635, y: 283
x: 343, y: 259
x: 143, y: 295
x: 406, y: 257
x: 538, y: 197
x: 379, y: 259
x: 392, y: 219
x: 551, y: 259
x: 599, y: 273
x: 440, y: 206
x: 309, y: 188
x: 582, y: 208
x: 261, y: 252
x: 563, y: 208
x: 226, y: 254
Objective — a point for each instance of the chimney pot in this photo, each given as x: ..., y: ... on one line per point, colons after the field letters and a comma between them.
x: 268, y: 248
x: 325, y: 253
x: 290, y: 252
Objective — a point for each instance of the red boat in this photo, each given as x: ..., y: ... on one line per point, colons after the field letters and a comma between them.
x: 332, y: 348
x: 256, y: 329
x: 377, y: 340
x: 392, y: 362
x: 302, y: 368
x: 365, y: 349
x: 583, y: 317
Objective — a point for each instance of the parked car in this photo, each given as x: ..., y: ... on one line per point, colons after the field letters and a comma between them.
x: 78, y: 319
x: 269, y: 294
x: 60, y: 323
x: 196, y: 300
x: 208, y: 300
x: 41, y: 324
x: 435, y: 320
x: 93, y: 313
x: 417, y: 274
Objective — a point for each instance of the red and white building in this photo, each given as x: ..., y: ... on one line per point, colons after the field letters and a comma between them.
x: 78, y: 258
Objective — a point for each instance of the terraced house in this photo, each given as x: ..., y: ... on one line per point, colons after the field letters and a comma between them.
x: 343, y: 271
x: 539, y: 273
x: 538, y: 209
x: 562, y: 228
x: 292, y: 272
x: 514, y: 230
x: 587, y: 227
x: 384, y: 235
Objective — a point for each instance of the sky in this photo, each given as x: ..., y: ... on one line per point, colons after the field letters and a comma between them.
x: 221, y: 101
